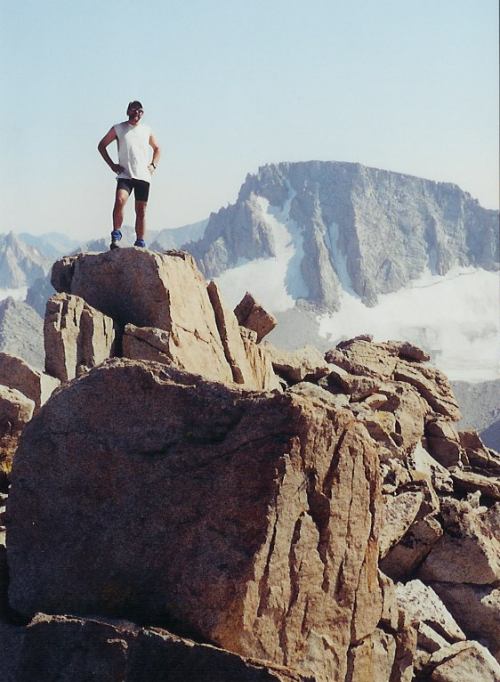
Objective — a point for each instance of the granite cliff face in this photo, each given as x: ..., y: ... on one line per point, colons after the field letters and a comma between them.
x: 191, y: 503
x: 362, y: 229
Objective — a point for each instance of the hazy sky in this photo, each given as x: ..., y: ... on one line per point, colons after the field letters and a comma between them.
x: 228, y: 85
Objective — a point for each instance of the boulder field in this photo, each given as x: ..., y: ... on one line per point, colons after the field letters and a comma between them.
x: 189, y: 503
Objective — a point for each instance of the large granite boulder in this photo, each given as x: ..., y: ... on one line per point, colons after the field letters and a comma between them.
x: 252, y: 315
x: 383, y: 657
x: 149, y: 290
x: 70, y: 649
x: 429, y: 614
x: 467, y: 552
x: 477, y: 609
x: 161, y: 304
x: 36, y: 385
x: 77, y: 336
x: 15, y: 412
x: 247, y: 519
x: 461, y: 662
x: 400, y: 513
x: 138, y: 286
x: 406, y: 555
x: 303, y: 364
x: 444, y: 443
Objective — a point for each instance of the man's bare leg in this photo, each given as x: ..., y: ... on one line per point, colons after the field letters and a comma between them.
x: 120, y: 201
x: 140, y: 219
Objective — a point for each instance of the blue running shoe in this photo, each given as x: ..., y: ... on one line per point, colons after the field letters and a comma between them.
x: 116, y: 235
x: 140, y: 242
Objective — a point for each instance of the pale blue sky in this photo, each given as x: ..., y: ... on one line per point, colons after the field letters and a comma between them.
x: 228, y: 85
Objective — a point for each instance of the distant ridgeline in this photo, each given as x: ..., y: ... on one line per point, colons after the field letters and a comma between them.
x: 334, y: 226
x: 365, y: 230
x: 20, y: 263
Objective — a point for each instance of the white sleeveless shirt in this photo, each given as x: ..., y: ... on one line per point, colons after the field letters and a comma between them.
x: 134, y: 152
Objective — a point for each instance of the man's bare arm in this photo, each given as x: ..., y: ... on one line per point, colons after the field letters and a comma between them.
x: 105, y: 142
x: 156, y: 151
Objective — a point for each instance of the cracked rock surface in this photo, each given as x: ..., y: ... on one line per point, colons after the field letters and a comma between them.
x: 160, y: 519
x: 258, y: 504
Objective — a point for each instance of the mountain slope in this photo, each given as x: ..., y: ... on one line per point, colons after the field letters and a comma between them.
x: 51, y: 244
x: 21, y: 332
x: 176, y: 237
x: 480, y: 406
x: 20, y: 263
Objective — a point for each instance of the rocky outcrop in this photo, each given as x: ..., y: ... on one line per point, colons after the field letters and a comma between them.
x: 382, y: 657
x: 459, y: 662
x: 148, y: 343
x: 21, y: 332
x: 250, y: 364
x: 252, y: 315
x: 304, y: 364
x: 399, y: 362
x: 467, y: 552
x: 100, y: 649
x: 400, y: 514
x: 141, y: 287
x: 392, y: 390
x: 477, y: 607
x: 77, y: 337
x: 15, y: 412
x: 435, y: 624
x: 358, y: 228
x: 280, y: 564
x: 250, y: 535
x: 429, y: 529
x: 179, y: 321
x: 35, y: 385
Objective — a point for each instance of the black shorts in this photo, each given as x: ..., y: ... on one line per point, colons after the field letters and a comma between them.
x: 140, y: 187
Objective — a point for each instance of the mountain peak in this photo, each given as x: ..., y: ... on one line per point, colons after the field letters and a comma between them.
x: 10, y: 239
x: 349, y: 227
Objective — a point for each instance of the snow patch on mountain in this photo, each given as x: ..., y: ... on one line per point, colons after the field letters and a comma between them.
x: 454, y: 317
x: 339, y: 258
x: 276, y: 282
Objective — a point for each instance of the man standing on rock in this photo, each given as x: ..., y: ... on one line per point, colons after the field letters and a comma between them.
x: 134, y: 169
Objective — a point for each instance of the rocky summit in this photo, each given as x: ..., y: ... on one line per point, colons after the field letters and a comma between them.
x: 188, y: 503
